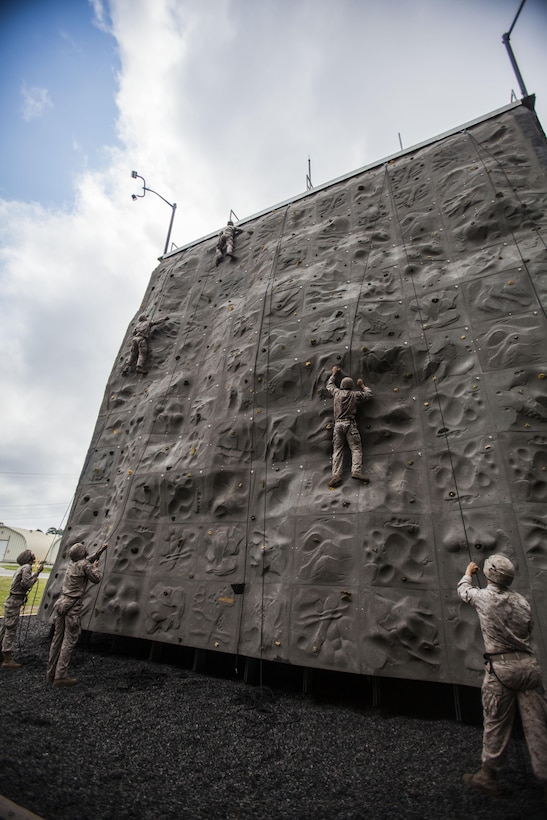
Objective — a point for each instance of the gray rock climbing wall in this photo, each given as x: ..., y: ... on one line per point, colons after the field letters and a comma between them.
x: 425, y: 275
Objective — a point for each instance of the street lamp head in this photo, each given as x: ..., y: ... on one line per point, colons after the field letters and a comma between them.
x: 134, y: 197
x: 134, y: 174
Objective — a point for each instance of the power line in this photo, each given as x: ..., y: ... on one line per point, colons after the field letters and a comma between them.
x: 47, y: 475
x: 32, y: 506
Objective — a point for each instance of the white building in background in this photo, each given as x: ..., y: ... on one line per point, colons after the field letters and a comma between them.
x: 14, y: 540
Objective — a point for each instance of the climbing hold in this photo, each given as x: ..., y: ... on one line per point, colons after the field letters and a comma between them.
x: 130, y: 472
x: 308, y: 364
x: 426, y: 404
x: 209, y: 532
x: 541, y: 375
x: 395, y: 389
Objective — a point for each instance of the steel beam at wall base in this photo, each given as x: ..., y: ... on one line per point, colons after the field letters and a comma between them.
x: 363, y: 692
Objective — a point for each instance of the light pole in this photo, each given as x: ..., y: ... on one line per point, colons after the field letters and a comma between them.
x: 507, y: 44
x: 173, y: 205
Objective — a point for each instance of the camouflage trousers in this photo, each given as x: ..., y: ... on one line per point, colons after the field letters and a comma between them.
x: 225, y: 246
x: 67, y: 628
x: 8, y: 630
x: 514, y: 681
x: 346, y: 431
x: 138, y: 352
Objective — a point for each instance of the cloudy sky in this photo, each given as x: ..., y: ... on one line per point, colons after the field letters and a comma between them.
x: 218, y: 104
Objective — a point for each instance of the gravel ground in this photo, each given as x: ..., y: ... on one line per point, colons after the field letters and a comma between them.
x: 142, y: 740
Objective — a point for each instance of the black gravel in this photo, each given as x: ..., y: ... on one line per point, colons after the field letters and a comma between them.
x: 143, y: 740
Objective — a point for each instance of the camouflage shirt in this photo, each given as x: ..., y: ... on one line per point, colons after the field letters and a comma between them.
x: 143, y: 328
x: 77, y: 575
x: 504, y: 616
x: 346, y: 401
x: 23, y: 580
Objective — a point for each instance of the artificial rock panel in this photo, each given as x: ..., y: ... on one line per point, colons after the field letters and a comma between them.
x: 208, y: 476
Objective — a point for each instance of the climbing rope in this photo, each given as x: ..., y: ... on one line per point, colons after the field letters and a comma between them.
x: 429, y: 358
x: 173, y: 373
x: 481, y: 149
x: 266, y: 311
x: 365, y: 271
x: 23, y: 633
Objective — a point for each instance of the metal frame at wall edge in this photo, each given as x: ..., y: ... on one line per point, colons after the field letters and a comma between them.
x: 527, y: 102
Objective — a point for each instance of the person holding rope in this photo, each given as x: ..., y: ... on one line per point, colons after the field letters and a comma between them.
x: 512, y: 672
x: 68, y: 611
x: 346, y: 400
x: 22, y: 582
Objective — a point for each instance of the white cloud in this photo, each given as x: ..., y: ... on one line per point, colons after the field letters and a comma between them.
x: 36, y: 102
x: 100, y: 18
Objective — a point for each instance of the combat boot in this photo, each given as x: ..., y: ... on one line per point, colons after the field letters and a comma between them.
x: 335, y: 480
x: 485, y: 780
x: 65, y: 681
x: 9, y: 663
x: 359, y: 476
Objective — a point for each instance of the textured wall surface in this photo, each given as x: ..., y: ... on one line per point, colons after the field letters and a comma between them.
x: 208, y: 476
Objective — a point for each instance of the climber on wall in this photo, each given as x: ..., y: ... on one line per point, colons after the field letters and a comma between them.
x: 139, y: 343
x: 346, y: 400
x: 226, y: 241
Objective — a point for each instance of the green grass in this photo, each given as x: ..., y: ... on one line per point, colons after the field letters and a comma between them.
x: 34, y: 596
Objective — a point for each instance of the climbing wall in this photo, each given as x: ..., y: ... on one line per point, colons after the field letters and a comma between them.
x: 424, y: 274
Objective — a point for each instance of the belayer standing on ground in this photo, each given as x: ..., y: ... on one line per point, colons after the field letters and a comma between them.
x: 23, y: 580
x: 68, y: 611
x: 346, y: 400
x: 512, y: 672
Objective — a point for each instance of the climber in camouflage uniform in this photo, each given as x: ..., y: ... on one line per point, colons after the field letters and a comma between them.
x: 512, y: 672
x: 346, y: 400
x: 68, y: 612
x: 225, y: 242
x: 139, y: 343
